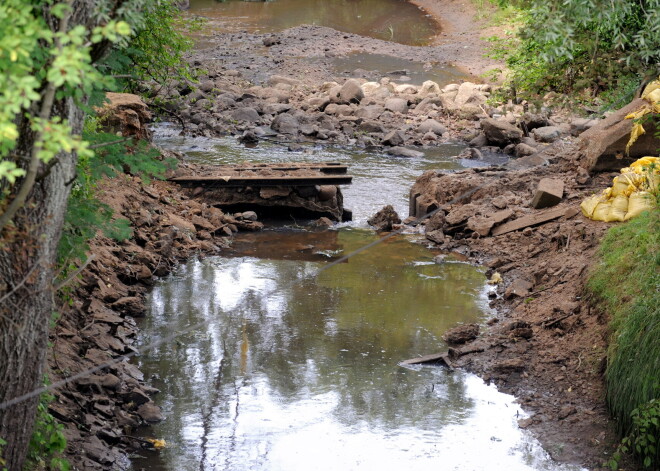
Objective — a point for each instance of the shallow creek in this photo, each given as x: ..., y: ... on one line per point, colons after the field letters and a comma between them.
x: 390, y: 20
x: 298, y: 365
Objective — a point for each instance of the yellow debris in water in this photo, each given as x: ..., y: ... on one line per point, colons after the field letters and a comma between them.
x: 157, y: 443
x: 495, y: 279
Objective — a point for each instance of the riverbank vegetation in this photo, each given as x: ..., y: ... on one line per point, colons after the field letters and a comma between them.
x: 626, y: 285
x: 57, y: 60
x: 583, y: 48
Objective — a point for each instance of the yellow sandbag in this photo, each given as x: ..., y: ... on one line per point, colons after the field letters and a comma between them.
x: 602, y: 211
x: 638, y: 203
x: 650, y: 88
x: 589, y: 205
x: 642, y: 165
x: 618, y: 209
x: 626, y: 183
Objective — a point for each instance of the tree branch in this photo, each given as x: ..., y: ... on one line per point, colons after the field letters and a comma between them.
x: 44, y: 115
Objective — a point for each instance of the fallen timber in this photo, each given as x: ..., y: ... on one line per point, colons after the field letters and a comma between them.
x: 283, y: 190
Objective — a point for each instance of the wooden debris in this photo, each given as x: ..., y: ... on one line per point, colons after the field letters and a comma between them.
x: 442, y: 358
x: 532, y: 220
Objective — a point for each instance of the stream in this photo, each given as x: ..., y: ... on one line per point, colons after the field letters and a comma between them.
x: 298, y: 366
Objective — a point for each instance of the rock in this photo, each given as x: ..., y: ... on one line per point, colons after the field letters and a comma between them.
x: 429, y: 87
x: 469, y: 93
x: 246, y: 114
x: 327, y: 192
x: 277, y: 108
x: 509, y: 365
x: 549, y: 193
x: 270, y: 192
x: 604, y: 145
x: 405, y: 89
x: 482, y: 225
x: 150, y: 413
x: 396, y: 105
x: 384, y: 219
x: 249, y: 215
x: 436, y: 236
x: 271, y: 41
x: 500, y: 132
x: 579, y: 125
x: 279, y: 79
x: 323, y: 222
x: 532, y: 121
x: 431, y: 125
x: 370, y: 126
x: 394, y: 138
x: 566, y: 411
x: 180, y: 223
x: 351, y: 92
x: 369, y: 112
x: 286, y: 124
x: 582, y: 176
x: 522, y: 150
x: 479, y: 141
x: 129, y: 305
x: 547, y: 133
x: 519, y: 288
x: 319, y: 103
x: 125, y: 113
x: 461, y: 334
x: 399, y: 151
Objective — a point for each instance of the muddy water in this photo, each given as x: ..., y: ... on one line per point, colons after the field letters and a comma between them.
x: 375, y: 66
x: 297, y: 367
x: 391, y: 20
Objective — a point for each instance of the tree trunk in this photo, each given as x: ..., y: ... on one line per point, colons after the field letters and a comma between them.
x: 28, y: 251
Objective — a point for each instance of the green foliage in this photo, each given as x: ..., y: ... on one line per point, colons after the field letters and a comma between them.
x: 572, y: 45
x: 626, y: 283
x: 156, y: 52
x: 33, y: 58
x: 48, y: 441
x: 86, y: 215
x: 2, y: 461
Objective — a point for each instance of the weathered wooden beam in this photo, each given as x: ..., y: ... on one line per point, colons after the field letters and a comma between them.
x: 442, y: 358
x: 333, y: 169
x: 532, y: 220
x: 238, y: 181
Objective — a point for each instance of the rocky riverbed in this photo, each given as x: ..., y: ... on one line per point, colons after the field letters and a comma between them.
x: 546, y: 345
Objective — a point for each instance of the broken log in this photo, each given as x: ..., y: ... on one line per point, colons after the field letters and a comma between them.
x: 238, y: 181
x: 442, y: 358
x: 532, y: 220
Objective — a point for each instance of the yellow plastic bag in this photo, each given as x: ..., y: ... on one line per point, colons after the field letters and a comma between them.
x: 638, y: 203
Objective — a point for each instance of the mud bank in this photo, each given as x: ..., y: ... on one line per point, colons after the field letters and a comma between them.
x: 546, y: 346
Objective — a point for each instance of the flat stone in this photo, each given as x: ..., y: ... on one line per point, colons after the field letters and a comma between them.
x: 394, y: 138
x: 461, y: 334
x: 547, y: 133
x: 549, y: 192
x: 399, y: 151
x: 245, y: 114
x: 431, y: 125
x: 150, y: 413
x: 519, y: 287
x: 396, y: 105
x: 500, y: 132
x: 509, y: 365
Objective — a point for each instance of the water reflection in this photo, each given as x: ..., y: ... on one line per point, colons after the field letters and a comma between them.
x: 391, y: 20
x: 296, y: 371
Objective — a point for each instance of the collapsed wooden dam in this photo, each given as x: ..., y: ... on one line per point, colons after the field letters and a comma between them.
x: 283, y: 190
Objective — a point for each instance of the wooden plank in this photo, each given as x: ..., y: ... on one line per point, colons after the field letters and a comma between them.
x: 530, y: 220
x: 334, y: 169
x: 433, y: 358
x: 238, y: 181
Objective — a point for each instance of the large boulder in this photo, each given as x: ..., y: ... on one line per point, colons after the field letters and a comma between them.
x: 286, y: 124
x: 469, y: 93
x: 126, y: 113
x: 500, y: 132
x: 394, y: 138
x: 384, y: 219
x: 245, y: 114
x: 429, y: 88
x: 604, y: 144
x: 351, y: 92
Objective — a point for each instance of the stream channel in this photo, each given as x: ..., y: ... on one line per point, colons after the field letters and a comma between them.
x: 298, y: 366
